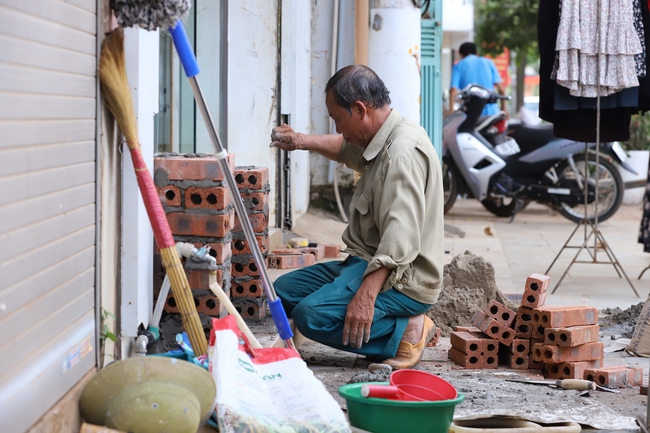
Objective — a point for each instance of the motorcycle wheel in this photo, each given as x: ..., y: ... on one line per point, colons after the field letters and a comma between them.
x: 610, y: 189
x: 450, y: 179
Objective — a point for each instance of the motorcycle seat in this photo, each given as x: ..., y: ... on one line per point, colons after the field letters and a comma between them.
x: 530, y: 137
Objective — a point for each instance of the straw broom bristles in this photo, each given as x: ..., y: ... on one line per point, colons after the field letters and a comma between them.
x: 115, y: 92
x: 115, y: 86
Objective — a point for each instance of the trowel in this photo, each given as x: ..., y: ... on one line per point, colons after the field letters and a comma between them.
x: 578, y: 384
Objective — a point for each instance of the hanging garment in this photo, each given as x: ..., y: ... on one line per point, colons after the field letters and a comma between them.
x: 639, y: 59
x: 597, y: 46
x: 579, y: 124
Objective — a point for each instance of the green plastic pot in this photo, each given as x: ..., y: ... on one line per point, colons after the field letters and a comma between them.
x: 378, y: 415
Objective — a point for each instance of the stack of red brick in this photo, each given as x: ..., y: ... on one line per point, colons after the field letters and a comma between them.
x: 562, y: 341
x: 247, y: 292
x: 199, y: 210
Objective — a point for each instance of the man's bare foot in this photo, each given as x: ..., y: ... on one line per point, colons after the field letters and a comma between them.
x: 413, y: 332
x: 419, y: 330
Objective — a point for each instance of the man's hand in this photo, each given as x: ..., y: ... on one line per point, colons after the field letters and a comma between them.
x: 361, y: 309
x: 358, y: 319
x: 285, y: 138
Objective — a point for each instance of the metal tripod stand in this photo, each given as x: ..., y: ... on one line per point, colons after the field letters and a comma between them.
x: 591, y: 227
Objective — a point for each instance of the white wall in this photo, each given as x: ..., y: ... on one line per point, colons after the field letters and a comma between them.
x: 321, y: 71
x: 251, y: 85
x: 457, y: 15
x: 457, y: 27
x: 321, y: 40
x: 393, y: 52
x: 141, y: 52
x: 296, y: 92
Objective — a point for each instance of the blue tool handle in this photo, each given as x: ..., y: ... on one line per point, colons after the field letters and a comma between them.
x: 184, y: 49
x: 280, y: 319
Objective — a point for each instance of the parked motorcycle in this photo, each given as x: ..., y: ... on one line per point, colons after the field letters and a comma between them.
x: 506, y: 168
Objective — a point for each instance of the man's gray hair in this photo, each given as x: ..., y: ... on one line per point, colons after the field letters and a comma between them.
x: 358, y: 83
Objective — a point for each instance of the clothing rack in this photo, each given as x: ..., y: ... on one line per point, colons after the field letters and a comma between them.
x: 591, y: 230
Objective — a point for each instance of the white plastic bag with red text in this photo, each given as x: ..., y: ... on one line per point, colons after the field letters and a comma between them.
x: 267, y: 390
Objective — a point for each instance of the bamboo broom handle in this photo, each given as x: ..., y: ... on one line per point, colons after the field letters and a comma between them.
x: 157, y: 217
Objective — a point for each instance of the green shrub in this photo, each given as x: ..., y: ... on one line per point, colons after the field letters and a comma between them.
x: 639, y: 133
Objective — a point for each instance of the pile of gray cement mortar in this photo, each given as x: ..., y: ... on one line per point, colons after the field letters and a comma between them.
x: 468, y: 286
x: 619, y: 323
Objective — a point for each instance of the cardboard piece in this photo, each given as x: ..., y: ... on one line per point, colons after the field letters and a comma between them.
x: 640, y: 341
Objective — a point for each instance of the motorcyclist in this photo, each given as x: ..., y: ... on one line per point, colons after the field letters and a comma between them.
x: 472, y: 69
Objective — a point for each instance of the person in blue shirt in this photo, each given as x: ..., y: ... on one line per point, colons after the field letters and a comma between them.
x: 472, y: 69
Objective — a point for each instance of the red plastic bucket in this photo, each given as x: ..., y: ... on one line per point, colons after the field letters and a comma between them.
x: 412, y: 385
x: 421, y: 383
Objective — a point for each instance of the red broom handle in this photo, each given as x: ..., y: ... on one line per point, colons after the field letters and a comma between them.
x: 157, y: 217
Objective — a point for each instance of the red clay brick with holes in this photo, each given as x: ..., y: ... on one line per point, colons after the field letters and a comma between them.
x: 259, y: 223
x: 514, y: 361
x: 490, y: 345
x: 501, y: 313
x: 464, y: 360
x: 251, y: 177
x: 247, y: 289
x: 256, y: 201
x: 524, y: 322
x: 570, y: 370
x: 572, y: 336
x: 292, y: 261
x: 216, y: 226
x: 169, y: 195
x: 493, y: 328
x: 537, y: 283
x: 520, y: 346
x: 195, y: 168
x: 213, y: 198
x: 556, y: 354
x: 210, y: 305
x: 248, y: 308
x: 617, y: 376
x: 538, y: 333
x: 249, y: 269
x: 516, y: 355
x: 532, y: 364
x: 466, y: 343
x: 240, y: 246
x: 490, y: 352
x: 533, y: 300
x: 198, y: 279
x: 555, y: 316
x: 206, y: 304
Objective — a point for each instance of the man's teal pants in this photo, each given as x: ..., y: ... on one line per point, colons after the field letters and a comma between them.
x: 317, y: 297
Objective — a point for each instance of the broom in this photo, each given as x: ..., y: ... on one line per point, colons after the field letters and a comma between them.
x: 117, y: 95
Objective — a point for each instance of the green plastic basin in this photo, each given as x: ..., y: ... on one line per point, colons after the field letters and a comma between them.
x: 378, y: 415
